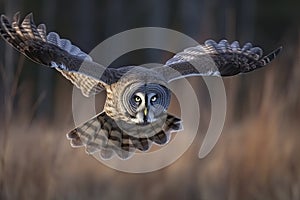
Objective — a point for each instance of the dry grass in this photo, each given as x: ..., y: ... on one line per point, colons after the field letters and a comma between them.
x: 256, y: 157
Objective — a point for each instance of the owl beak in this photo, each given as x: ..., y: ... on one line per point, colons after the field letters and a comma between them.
x: 145, y: 115
x: 146, y: 111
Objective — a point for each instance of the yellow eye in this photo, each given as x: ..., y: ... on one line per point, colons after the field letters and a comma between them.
x: 153, y: 99
x: 137, y: 99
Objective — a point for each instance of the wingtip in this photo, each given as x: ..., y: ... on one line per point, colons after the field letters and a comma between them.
x: 3, y: 17
x: 278, y: 50
x: 29, y: 17
x: 271, y: 56
x: 16, y: 17
x: 3, y: 22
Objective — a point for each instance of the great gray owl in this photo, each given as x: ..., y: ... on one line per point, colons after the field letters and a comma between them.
x: 135, y: 113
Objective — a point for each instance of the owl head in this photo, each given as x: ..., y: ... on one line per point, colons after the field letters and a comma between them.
x: 145, y: 102
x: 142, y: 97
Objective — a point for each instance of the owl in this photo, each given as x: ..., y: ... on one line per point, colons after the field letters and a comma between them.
x: 135, y: 113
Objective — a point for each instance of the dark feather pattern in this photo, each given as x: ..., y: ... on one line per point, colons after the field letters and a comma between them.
x: 103, y: 135
x: 231, y: 59
x: 216, y: 59
x: 50, y: 50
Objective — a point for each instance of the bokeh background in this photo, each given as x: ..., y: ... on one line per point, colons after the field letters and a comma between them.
x: 257, y: 156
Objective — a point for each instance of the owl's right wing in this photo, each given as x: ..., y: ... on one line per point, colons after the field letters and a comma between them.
x: 216, y: 59
x: 52, y: 51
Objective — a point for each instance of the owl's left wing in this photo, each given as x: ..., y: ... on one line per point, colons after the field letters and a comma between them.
x: 216, y: 59
x: 52, y: 51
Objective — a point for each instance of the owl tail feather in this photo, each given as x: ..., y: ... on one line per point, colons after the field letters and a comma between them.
x: 101, y: 136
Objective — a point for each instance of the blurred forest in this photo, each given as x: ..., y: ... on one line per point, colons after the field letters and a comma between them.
x: 257, y: 156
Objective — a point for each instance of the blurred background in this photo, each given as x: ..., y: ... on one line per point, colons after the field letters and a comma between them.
x: 257, y: 155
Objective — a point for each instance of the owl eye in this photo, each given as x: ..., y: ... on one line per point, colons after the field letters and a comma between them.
x: 154, y: 98
x: 137, y: 99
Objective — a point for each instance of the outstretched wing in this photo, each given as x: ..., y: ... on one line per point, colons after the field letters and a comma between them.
x: 52, y: 51
x: 216, y: 59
